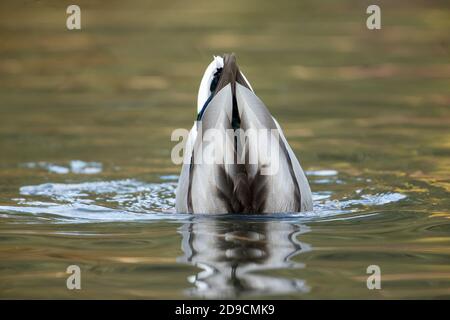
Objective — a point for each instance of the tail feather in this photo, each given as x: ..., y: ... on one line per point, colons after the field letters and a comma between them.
x: 242, y: 196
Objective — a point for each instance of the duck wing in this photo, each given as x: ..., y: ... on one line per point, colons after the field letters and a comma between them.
x: 183, y: 181
x: 278, y: 171
x: 205, y: 184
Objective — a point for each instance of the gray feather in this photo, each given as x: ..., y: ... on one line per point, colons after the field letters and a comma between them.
x: 221, y: 187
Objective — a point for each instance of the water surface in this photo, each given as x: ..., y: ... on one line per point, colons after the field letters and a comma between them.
x: 85, y: 170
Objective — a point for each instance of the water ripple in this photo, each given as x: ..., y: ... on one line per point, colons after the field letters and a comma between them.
x: 135, y: 200
x: 75, y: 167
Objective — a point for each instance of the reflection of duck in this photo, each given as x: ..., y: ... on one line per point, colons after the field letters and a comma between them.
x: 231, y: 255
x: 257, y: 172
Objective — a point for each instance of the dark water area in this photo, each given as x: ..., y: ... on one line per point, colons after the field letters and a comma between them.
x: 86, y: 176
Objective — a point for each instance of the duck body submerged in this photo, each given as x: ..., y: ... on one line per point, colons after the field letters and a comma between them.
x: 236, y: 158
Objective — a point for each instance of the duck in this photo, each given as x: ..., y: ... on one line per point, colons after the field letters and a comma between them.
x: 236, y: 159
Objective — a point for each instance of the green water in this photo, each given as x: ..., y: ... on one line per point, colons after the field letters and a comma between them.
x: 367, y: 112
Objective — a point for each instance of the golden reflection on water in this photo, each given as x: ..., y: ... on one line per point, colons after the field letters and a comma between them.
x: 372, y: 106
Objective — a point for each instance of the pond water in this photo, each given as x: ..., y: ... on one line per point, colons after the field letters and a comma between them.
x: 85, y: 171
